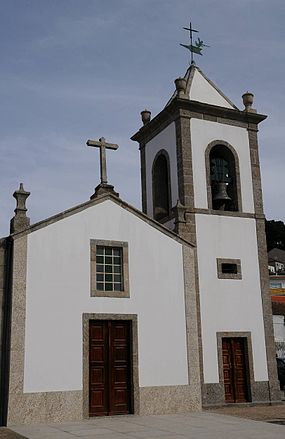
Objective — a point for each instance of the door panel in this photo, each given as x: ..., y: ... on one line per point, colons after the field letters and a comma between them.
x: 228, y: 371
x: 109, y: 368
x: 235, y: 370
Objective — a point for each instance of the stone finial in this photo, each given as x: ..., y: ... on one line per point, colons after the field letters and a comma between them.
x: 146, y: 116
x: 20, y: 221
x: 180, y: 84
x: 248, y: 101
x: 179, y: 212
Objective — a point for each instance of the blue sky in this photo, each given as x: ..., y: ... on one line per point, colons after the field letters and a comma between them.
x: 77, y: 69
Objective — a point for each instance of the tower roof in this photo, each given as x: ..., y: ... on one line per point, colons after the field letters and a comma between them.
x: 200, y: 88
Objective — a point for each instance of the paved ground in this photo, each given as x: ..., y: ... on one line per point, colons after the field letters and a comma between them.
x: 259, y: 413
x: 205, y: 425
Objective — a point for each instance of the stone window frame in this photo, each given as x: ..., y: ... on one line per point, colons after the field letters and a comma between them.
x: 125, y: 293
x: 166, y: 155
x: 133, y: 318
x: 208, y: 177
x: 222, y: 275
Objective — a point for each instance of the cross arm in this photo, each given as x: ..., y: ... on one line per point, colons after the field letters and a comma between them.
x: 102, y: 142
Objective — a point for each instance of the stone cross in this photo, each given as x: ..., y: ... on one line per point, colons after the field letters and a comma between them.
x: 103, y: 145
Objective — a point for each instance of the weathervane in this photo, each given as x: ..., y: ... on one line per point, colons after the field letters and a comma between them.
x: 199, y: 44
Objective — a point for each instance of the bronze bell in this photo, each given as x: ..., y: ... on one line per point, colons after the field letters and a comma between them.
x: 221, y: 192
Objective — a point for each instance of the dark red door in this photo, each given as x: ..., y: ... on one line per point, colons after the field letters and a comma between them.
x: 109, y: 368
x: 235, y: 369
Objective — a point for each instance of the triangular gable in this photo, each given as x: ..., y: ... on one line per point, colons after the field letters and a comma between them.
x: 100, y: 199
x: 202, y: 89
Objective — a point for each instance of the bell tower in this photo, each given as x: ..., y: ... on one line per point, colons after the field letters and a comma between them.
x: 200, y: 177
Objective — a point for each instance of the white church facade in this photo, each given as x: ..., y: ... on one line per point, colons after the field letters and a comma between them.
x: 109, y: 310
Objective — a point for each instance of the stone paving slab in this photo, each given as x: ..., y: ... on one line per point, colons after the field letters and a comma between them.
x: 205, y: 425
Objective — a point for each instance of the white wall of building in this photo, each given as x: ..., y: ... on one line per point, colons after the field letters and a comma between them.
x: 229, y: 305
x: 202, y: 133
x: 279, y: 328
x: 166, y: 139
x: 58, y: 293
x: 202, y: 91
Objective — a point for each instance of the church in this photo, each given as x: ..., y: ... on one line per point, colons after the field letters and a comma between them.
x: 109, y: 310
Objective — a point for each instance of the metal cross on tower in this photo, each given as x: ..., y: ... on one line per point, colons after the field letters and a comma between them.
x: 194, y: 48
x: 103, y: 145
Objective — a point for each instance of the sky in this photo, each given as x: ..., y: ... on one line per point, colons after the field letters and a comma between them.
x: 71, y: 70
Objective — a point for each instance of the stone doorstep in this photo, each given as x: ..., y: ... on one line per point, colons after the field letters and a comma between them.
x: 6, y: 433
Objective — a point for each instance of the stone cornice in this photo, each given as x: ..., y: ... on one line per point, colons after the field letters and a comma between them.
x: 180, y: 107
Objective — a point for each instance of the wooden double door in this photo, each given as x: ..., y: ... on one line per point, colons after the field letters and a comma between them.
x: 109, y: 367
x: 235, y: 369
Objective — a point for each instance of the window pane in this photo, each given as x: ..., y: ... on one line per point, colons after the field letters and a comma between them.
x: 117, y: 269
x: 99, y: 250
x: 117, y: 260
x: 117, y: 278
x: 229, y: 268
x: 108, y: 268
x: 108, y: 250
x: 108, y: 260
x: 109, y: 287
x: 117, y: 287
x: 117, y: 252
x: 99, y: 259
x: 100, y: 286
x: 100, y: 268
x: 100, y: 277
x: 108, y: 278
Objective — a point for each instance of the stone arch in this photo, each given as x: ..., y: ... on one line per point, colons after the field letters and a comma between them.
x: 224, y: 156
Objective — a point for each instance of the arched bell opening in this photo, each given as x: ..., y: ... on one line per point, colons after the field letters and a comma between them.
x: 223, y: 178
x: 161, y: 186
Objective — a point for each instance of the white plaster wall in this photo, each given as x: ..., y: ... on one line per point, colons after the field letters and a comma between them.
x: 229, y: 305
x: 202, y: 133
x: 279, y: 328
x: 202, y: 91
x: 166, y: 139
x: 58, y: 293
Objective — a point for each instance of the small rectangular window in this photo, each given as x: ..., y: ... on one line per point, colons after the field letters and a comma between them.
x: 229, y: 268
x: 109, y: 268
